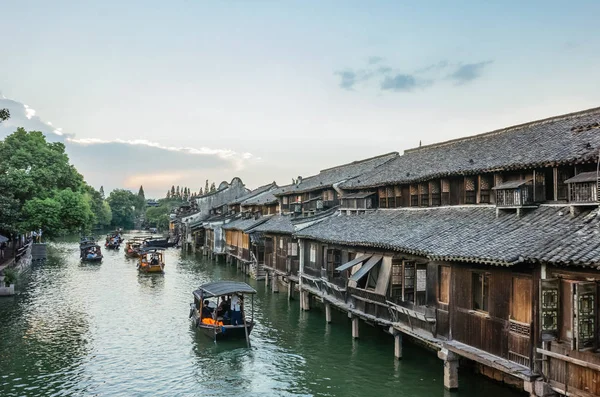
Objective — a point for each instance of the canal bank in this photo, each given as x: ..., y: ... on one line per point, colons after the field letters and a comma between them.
x: 86, y: 329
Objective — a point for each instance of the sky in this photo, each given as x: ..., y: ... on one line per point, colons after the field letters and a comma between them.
x: 161, y: 93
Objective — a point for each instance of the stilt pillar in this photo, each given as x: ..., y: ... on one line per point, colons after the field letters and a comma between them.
x: 327, y: 312
x: 450, y: 369
x: 275, y: 283
x: 305, y: 300
x: 267, y: 279
x: 398, y: 345
x: 290, y: 290
x: 355, y: 327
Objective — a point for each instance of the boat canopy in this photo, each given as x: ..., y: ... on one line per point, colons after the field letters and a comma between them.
x: 219, y: 288
x: 147, y: 250
x: 89, y: 245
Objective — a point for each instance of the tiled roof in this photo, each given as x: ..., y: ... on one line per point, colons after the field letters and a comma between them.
x: 471, y: 233
x: 253, y: 193
x: 563, y: 139
x: 326, y: 178
x: 276, y: 224
x: 263, y: 198
x: 584, y: 177
x: 245, y: 224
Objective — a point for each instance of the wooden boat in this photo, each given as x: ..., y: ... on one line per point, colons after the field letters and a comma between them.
x: 85, y: 240
x: 228, y: 320
x: 90, y: 252
x: 151, y: 260
x: 113, y: 241
x: 133, y: 247
x: 162, y: 242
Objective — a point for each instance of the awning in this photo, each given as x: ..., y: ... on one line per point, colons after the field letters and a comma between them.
x: 3, y: 239
x: 375, y: 259
x: 353, y: 262
x: 583, y: 177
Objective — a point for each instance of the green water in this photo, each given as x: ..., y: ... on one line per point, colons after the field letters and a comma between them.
x: 103, y: 330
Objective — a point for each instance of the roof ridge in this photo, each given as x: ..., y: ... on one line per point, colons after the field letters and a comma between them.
x: 359, y: 161
x: 504, y: 130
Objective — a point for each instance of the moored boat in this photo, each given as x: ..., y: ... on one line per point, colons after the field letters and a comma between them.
x: 151, y: 260
x: 162, y: 242
x: 227, y: 320
x: 90, y: 252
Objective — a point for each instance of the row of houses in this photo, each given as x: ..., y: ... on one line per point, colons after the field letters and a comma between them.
x: 485, y: 248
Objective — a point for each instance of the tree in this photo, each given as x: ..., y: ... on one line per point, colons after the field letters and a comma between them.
x: 200, y: 193
x: 4, y: 114
x: 42, y: 214
x: 177, y: 193
x: 168, y: 196
x: 122, y: 204
x: 158, y: 216
x: 206, y: 188
x: 213, y: 188
x: 75, y: 211
x: 141, y: 193
x: 173, y: 191
x: 186, y: 193
x: 102, y: 192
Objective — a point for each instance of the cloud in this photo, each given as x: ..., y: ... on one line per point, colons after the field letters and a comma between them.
x: 468, y: 72
x: 348, y: 79
x: 375, y: 59
x: 118, y: 162
x: 399, y: 82
x: 434, y: 67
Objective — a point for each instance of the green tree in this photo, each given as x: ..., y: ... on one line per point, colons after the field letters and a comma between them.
x: 200, y: 193
x: 213, y: 188
x: 168, y: 196
x: 75, y: 212
x: 122, y: 204
x: 158, y: 216
x: 206, y: 187
x: 172, y: 190
x: 4, y: 114
x: 102, y: 192
x: 141, y: 193
x: 42, y: 213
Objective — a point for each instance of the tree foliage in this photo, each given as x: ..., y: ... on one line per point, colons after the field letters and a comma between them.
x: 39, y: 188
x: 4, y: 114
x: 123, y: 204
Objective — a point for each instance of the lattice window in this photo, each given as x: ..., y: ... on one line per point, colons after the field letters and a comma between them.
x: 586, y: 315
x: 518, y: 328
x: 550, y: 305
x: 424, y: 192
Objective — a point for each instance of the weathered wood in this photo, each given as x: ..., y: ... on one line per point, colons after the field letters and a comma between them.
x: 571, y: 360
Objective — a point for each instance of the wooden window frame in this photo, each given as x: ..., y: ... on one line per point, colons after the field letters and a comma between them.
x: 439, y: 295
x: 485, y: 301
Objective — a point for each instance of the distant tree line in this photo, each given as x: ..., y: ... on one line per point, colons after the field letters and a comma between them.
x: 184, y: 193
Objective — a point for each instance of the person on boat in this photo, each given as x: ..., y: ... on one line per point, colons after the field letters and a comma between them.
x: 206, y: 310
x: 236, y: 310
x: 223, y: 308
x: 154, y: 261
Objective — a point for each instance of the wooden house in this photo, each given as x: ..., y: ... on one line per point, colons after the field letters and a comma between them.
x: 310, y: 195
x: 455, y: 245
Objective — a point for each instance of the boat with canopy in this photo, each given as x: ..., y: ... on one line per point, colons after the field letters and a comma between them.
x: 90, y: 252
x: 151, y: 260
x: 219, y: 311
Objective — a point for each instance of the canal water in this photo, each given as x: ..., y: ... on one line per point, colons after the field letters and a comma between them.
x: 80, y: 329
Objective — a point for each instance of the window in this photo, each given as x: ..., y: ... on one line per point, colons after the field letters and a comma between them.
x: 549, y: 303
x: 313, y: 253
x: 584, y: 307
x: 520, y: 310
x: 285, y: 200
x: 480, y: 289
x: 444, y: 284
x: 396, y: 292
x: 382, y: 198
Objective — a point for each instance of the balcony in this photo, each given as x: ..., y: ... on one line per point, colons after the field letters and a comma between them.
x: 316, y: 273
x: 583, y: 188
x: 514, y: 194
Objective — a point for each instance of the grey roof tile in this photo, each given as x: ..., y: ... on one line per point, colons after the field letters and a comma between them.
x: 471, y: 233
x: 562, y: 139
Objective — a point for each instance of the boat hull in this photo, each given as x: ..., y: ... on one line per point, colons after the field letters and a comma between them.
x: 98, y: 259
x: 151, y: 269
x: 222, y: 332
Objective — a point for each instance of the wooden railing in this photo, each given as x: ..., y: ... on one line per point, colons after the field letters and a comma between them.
x: 586, y: 192
x: 365, y: 294
x: 312, y: 272
x: 515, y: 197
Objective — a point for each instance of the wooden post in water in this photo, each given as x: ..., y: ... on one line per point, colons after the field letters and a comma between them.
x: 355, y: 321
x: 398, y: 345
x: 266, y: 279
x: 327, y: 312
x: 450, y: 369
x: 275, y: 284
x: 290, y: 290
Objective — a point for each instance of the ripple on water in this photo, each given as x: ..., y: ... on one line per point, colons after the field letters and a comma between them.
x: 80, y: 329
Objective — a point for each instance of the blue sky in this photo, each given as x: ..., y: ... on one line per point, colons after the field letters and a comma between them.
x: 268, y: 90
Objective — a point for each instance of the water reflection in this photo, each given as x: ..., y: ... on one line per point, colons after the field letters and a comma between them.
x: 103, y: 329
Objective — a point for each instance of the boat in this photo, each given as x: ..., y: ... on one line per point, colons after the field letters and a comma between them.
x: 90, y: 252
x: 162, y: 242
x: 85, y: 240
x: 133, y: 247
x: 113, y: 241
x: 228, y: 319
x: 151, y: 260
